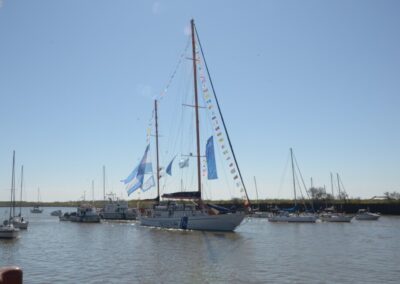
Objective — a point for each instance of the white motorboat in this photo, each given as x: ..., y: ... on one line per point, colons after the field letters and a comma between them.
x: 85, y: 214
x: 365, y: 215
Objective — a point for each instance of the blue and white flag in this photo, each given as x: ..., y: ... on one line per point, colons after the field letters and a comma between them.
x: 169, y: 167
x: 184, y: 163
x: 149, y: 183
x: 135, y: 180
x: 210, y: 156
x: 133, y: 174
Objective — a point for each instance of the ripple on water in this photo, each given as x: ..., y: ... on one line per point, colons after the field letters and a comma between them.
x: 259, y: 252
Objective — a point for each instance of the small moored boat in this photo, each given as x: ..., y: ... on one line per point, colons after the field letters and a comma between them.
x: 8, y: 231
x: 365, y: 215
x: 85, y: 214
x: 56, y: 213
x: 335, y: 217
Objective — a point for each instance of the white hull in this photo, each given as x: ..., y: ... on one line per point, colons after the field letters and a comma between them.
x: 293, y: 219
x: 367, y: 216
x: 8, y: 232
x: 260, y: 215
x: 336, y: 218
x: 37, y: 211
x: 202, y: 222
x: 17, y: 223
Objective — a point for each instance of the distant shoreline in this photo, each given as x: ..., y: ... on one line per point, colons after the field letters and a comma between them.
x: 386, y: 207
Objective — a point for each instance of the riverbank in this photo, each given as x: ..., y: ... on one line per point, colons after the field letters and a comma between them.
x: 385, y: 207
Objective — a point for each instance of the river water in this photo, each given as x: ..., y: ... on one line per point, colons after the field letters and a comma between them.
x: 258, y: 252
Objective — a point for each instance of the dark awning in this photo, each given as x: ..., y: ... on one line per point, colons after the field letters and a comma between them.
x: 182, y: 195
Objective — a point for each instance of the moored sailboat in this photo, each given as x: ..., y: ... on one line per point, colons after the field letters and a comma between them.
x: 19, y: 221
x: 36, y: 208
x: 292, y: 215
x: 194, y: 214
x: 7, y: 229
x: 331, y: 214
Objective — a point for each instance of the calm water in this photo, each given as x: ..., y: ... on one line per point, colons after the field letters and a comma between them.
x: 111, y: 252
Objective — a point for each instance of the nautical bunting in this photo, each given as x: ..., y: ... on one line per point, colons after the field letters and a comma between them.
x: 210, y: 103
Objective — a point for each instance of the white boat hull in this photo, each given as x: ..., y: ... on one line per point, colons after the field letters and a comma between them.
x: 202, y: 222
x: 367, y: 217
x: 337, y: 218
x: 19, y: 224
x: 293, y: 219
x: 260, y: 215
x: 8, y: 232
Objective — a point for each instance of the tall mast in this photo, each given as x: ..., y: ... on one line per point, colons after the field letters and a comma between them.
x: 333, y: 195
x: 104, y: 183
x: 196, y: 105
x: 12, y: 204
x: 93, y: 192
x: 223, y: 122
x: 255, y: 184
x: 158, y: 162
x: 22, y: 179
x: 294, y: 181
x: 338, y: 183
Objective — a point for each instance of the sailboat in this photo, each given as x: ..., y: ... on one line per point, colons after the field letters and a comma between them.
x: 194, y: 214
x: 331, y: 215
x: 19, y: 221
x: 290, y: 215
x: 7, y: 229
x: 36, y: 209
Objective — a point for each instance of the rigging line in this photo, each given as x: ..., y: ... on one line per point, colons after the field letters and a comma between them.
x: 208, y: 128
x: 301, y: 191
x: 165, y: 90
x: 222, y: 118
x: 175, y: 137
x: 344, y: 190
x: 283, y: 174
x: 305, y: 187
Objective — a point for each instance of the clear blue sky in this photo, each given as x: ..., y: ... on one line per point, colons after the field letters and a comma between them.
x: 77, y: 78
